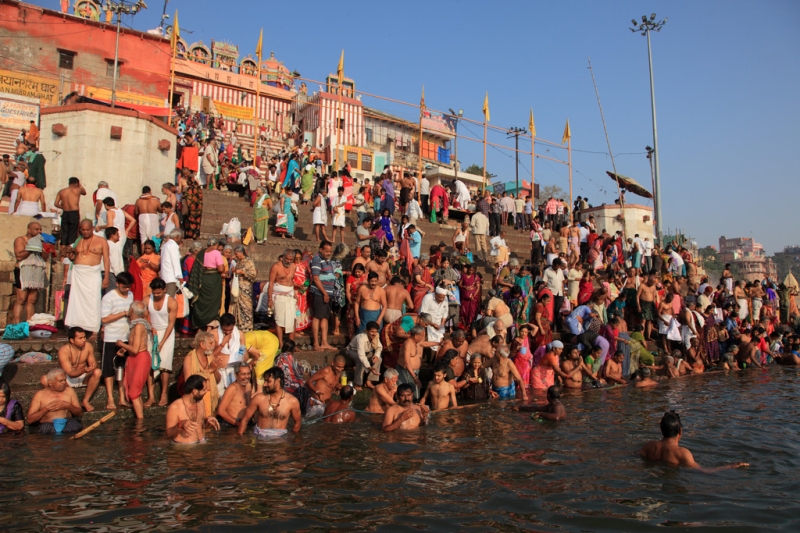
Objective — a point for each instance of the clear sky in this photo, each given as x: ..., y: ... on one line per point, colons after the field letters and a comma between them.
x: 726, y: 73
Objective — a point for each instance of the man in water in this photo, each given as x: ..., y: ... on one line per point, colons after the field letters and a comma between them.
x: 396, y: 296
x: 748, y: 351
x: 441, y: 392
x: 410, y: 360
x: 339, y: 411
x: 55, y: 401
x: 568, y: 366
x: 383, y: 394
x: 186, y: 416
x: 457, y: 342
x: 503, y: 372
x: 273, y: 408
x: 325, y: 382
x: 77, y: 360
x: 365, y: 351
x: 613, y: 369
x: 235, y: 401
x: 485, y: 346
x: 370, y: 303
x: 667, y: 450
x: 646, y: 380
x: 405, y: 415
x: 553, y: 410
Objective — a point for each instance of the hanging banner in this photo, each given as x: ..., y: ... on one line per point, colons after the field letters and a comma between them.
x: 17, y: 115
x: 45, y: 89
x: 234, y: 111
x: 125, y: 97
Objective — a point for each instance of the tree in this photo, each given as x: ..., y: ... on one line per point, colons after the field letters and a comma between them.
x: 552, y: 191
x: 475, y: 169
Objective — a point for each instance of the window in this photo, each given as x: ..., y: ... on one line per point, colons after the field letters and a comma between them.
x: 366, y: 162
x: 352, y: 159
x: 66, y: 59
x: 341, y: 123
x: 110, y: 67
x: 368, y: 133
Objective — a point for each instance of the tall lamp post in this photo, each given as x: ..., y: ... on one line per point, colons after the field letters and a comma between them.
x: 120, y: 8
x: 644, y: 28
x: 516, y: 132
x: 456, y: 117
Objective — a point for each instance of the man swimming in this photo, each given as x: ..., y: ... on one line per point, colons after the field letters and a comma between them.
x: 646, y: 380
x: 667, y: 450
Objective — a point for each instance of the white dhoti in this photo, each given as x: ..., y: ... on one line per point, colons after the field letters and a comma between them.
x: 77, y: 382
x: 744, y: 310
x: 83, y: 309
x: 149, y: 226
x: 27, y: 209
x: 167, y: 352
x: 12, y: 201
x: 285, y: 306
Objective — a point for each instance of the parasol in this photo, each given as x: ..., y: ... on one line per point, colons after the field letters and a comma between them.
x: 630, y: 184
x: 790, y: 281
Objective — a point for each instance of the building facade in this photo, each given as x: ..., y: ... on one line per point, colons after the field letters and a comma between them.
x: 748, y: 257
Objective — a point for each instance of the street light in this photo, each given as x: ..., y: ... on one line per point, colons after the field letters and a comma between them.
x: 644, y: 28
x: 516, y: 132
x: 120, y: 8
x: 456, y: 117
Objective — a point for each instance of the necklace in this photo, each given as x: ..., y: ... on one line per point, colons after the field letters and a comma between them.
x: 191, y: 418
x: 274, y: 407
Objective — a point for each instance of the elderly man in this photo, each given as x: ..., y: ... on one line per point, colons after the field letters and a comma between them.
x: 236, y: 400
x: 55, y: 402
x: 435, y: 305
x: 100, y: 195
x: 77, y: 360
x: 505, y: 375
x: 410, y: 360
x: 138, y: 361
x: 365, y: 351
x: 29, y: 272
x: 171, y: 271
x: 92, y: 258
x: 382, y: 396
x: 272, y: 408
x: 405, y: 415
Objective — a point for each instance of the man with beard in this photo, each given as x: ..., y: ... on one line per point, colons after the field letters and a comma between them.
x: 186, y: 416
x: 405, y: 415
x: 236, y: 400
x: 272, y: 408
x: 280, y: 294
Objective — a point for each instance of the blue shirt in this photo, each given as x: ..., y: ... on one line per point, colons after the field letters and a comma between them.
x: 325, y: 270
x: 414, y: 243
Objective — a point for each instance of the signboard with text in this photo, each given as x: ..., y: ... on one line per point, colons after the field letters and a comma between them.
x: 17, y: 115
x: 45, y: 89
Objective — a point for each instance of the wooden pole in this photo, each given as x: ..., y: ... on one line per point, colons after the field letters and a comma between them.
x: 172, y: 74
x: 338, y: 112
x: 485, y: 124
x: 94, y: 426
x: 569, y: 163
x: 419, y: 156
x: 258, y: 101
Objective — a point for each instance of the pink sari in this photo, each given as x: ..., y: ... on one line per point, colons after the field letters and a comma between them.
x: 302, y: 278
x: 523, y: 360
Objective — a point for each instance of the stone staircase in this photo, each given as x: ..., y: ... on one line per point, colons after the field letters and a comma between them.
x: 8, y: 143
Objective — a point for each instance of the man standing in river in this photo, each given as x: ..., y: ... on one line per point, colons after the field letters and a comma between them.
x: 272, y: 408
x: 405, y: 415
x: 186, y: 416
x: 237, y: 396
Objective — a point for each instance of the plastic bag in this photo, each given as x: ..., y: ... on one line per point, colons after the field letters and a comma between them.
x: 16, y: 331
x: 235, y: 286
x: 234, y: 227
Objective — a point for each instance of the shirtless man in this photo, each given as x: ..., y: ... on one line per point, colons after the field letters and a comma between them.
x: 568, y: 366
x: 382, y: 396
x: 76, y: 359
x: 272, y: 408
x: 410, y: 360
x: 30, y: 193
x: 69, y: 200
x: 646, y: 298
x: 441, y: 393
x: 145, y: 210
x: 503, y: 371
x: 364, y: 258
x: 137, y: 371
x: 553, y: 410
x: 380, y: 265
x: 457, y: 342
x: 485, y: 346
x: 325, y: 382
x: 55, y: 401
x: 665, y: 315
x: 236, y: 399
x: 370, y: 302
x: 613, y: 369
x: 91, y: 258
x: 747, y: 351
x: 646, y: 380
x: 280, y: 294
x: 668, y: 450
x: 396, y: 296
x: 186, y: 416
x: 407, y: 184
x: 339, y: 411
x: 405, y: 415
x: 25, y: 298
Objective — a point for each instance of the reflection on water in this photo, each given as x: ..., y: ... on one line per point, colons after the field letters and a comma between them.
x: 474, y: 469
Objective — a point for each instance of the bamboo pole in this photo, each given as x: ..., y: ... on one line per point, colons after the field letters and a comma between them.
x: 419, y: 155
x: 258, y: 101
x: 569, y: 164
x: 485, y: 124
x: 172, y: 70
x: 338, y: 112
x: 94, y: 426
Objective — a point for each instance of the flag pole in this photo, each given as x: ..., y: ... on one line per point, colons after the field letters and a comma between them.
x: 485, y: 127
x: 569, y: 163
x: 532, y: 129
x: 419, y: 156
x: 259, y: 54
x: 175, y: 37
x: 339, y: 75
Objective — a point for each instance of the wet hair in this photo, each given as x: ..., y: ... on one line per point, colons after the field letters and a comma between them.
x: 396, y: 280
x: 73, y: 331
x: 158, y: 283
x: 347, y: 391
x: 390, y: 373
x: 441, y: 367
x: 275, y: 373
x: 288, y: 346
x: 458, y: 334
x: 670, y: 424
x: 372, y: 325
x: 416, y: 330
x: 645, y: 372
x: 403, y: 387
x: 125, y: 278
x: 194, y: 382
x: 74, y: 181
x: 227, y: 320
x: 497, y: 339
x: 553, y: 392
x: 372, y: 275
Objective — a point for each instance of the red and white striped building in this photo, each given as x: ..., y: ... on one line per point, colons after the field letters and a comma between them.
x: 317, y: 114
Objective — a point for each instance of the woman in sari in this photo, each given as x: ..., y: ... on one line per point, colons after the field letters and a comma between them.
x: 193, y: 197
x: 421, y: 281
x: 261, y: 214
x: 302, y: 281
x: 471, y: 284
x: 242, y: 305
x: 386, y: 226
x: 286, y: 209
x: 377, y: 238
x: 149, y: 266
x: 187, y: 265
x: 227, y: 257
x: 595, y: 255
x: 292, y: 173
x: 524, y: 280
x: 542, y: 318
x: 354, y: 282
x: 205, y: 281
x: 307, y: 183
x: 197, y: 362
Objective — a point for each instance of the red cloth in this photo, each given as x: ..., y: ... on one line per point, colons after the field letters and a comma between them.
x: 138, y: 288
x: 131, y: 233
x: 189, y: 158
x: 137, y: 368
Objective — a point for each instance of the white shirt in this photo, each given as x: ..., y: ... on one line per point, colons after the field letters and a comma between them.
x: 648, y: 248
x: 170, y: 262
x: 583, y: 232
x: 438, y: 312
x: 235, y: 349
x: 112, y: 304
x: 677, y: 260
x: 496, y: 243
x: 115, y: 257
x: 640, y: 242
x: 413, y: 210
x: 425, y: 187
x: 102, y: 194
x: 363, y: 349
x: 554, y: 280
x: 507, y: 204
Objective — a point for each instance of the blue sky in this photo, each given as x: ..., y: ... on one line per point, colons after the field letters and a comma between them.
x: 726, y: 75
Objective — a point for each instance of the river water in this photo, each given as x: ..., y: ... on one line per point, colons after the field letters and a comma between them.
x: 480, y: 468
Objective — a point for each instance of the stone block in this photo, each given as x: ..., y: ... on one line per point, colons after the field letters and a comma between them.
x: 6, y: 276
x: 164, y: 145
x: 6, y: 288
x: 6, y: 301
x: 4, y: 316
x: 7, y: 266
x: 59, y: 130
x: 116, y: 132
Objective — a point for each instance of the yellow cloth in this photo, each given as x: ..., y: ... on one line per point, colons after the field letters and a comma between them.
x: 267, y: 345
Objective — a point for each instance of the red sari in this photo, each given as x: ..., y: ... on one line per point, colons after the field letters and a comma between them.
x: 470, y: 298
x: 545, y: 334
x: 302, y: 278
x: 418, y: 291
x: 355, y: 284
